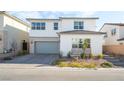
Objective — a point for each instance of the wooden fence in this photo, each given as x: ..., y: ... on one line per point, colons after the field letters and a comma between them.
x: 114, y: 49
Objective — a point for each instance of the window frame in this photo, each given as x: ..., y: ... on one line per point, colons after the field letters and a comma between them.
x: 43, y: 26
x: 55, y: 27
x: 38, y: 25
x: 113, y: 31
x: 78, y: 25
x: 76, y: 42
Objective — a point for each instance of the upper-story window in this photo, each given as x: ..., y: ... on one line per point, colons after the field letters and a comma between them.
x: 78, y: 25
x: 38, y: 26
x: 113, y: 31
x: 55, y: 26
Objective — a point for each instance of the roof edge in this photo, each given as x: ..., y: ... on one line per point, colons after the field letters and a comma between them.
x: 14, y: 17
x: 62, y: 18
x: 91, y: 32
x: 78, y: 17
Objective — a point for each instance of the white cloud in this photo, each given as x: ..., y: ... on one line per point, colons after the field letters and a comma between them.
x: 88, y: 13
x: 23, y: 15
x: 50, y: 14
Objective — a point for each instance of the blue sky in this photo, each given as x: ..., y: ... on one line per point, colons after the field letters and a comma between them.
x: 105, y: 16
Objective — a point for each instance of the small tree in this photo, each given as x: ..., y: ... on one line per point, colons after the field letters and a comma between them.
x: 84, y: 47
x: 14, y: 46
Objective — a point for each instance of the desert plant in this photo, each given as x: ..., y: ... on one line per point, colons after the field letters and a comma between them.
x: 84, y: 47
x: 100, y: 56
x: 57, y: 62
x: 106, y: 65
x: 69, y: 54
x: 88, y: 64
x: 91, y: 56
x: 75, y: 64
x: 83, y: 55
x: 60, y: 54
x: 14, y: 46
x: 63, y: 64
x: 21, y: 53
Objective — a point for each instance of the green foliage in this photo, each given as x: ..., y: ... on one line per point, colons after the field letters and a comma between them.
x: 85, y: 45
x: 83, y: 55
x: 57, y: 62
x: 81, y: 64
x: 100, y: 56
x: 88, y: 64
x: 75, y: 64
x: 69, y: 54
x: 63, y: 64
x: 106, y: 65
x: 60, y: 54
x: 91, y: 56
x: 78, y: 64
x: 21, y: 53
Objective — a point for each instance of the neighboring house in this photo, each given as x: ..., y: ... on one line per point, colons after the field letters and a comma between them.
x: 54, y: 36
x: 114, y: 38
x: 13, y: 32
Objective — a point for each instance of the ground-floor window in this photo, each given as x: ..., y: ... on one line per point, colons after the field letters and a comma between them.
x: 78, y: 42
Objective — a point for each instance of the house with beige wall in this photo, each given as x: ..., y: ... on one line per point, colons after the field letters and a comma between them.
x: 114, y: 38
x: 13, y: 32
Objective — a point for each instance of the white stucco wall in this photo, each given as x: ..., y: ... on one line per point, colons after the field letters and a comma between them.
x: 12, y: 30
x: 64, y: 25
x: 1, y: 33
x: 121, y: 32
x: 96, y: 43
x: 111, y: 40
x: 8, y: 21
x: 68, y: 24
x: 48, y: 32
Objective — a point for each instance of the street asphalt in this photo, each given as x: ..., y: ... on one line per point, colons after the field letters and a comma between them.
x: 34, y: 73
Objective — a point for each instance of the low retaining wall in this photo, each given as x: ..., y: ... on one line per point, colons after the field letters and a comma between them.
x: 114, y: 49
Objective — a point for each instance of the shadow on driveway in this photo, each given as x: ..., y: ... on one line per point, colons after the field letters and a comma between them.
x: 43, y: 60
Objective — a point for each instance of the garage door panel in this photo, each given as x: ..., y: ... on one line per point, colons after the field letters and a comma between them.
x: 47, y: 47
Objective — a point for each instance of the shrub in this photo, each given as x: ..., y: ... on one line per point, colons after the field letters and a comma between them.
x: 57, y: 62
x: 100, y: 56
x: 21, y: 53
x: 74, y: 64
x: 91, y: 56
x: 63, y: 64
x: 60, y: 54
x: 77, y: 64
x: 83, y: 55
x: 106, y: 64
x: 69, y: 54
x: 89, y: 65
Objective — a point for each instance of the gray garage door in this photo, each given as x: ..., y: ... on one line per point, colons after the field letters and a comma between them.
x: 47, y: 47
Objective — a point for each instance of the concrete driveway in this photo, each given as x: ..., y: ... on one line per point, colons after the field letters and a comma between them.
x: 33, y: 59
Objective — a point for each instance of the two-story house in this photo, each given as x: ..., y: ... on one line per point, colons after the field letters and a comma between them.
x: 13, y: 32
x: 114, y: 38
x: 54, y: 36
